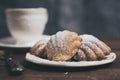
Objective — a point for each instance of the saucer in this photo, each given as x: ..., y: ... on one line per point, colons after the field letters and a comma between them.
x: 10, y: 42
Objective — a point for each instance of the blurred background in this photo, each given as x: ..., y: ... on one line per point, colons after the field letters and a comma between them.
x: 97, y: 17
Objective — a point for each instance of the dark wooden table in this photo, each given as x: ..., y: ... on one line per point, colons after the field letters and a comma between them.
x: 39, y: 72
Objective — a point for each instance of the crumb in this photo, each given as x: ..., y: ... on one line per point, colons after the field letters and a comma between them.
x: 66, y: 73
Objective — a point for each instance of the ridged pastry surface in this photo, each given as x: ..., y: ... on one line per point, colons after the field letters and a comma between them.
x: 66, y: 45
x: 92, y: 49
x: 39, y: 48
x: 92, y: 39
x: 63, y: 45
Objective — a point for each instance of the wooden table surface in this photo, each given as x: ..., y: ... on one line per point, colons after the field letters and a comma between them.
x: 38, y: 72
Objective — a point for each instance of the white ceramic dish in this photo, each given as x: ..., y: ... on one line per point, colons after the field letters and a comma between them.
x: 10, y: 42
x: 37, y: 60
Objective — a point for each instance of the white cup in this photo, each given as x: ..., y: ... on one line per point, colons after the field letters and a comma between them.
x: 26, y: 24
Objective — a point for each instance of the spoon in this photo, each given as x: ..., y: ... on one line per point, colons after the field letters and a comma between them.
x: 13, y: 66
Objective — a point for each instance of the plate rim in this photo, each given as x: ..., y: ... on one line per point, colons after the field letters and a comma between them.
x: 34, y: 59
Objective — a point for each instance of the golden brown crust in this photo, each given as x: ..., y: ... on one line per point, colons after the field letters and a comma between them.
x: 89, y: 38
x: 94, y: 48
x: 66, y: 45
x: 80, y: 56
x: 89, y: 52
x: 63, y: 46
x: 98, y: 52
x: 108, y: 49
x: 39, y: 49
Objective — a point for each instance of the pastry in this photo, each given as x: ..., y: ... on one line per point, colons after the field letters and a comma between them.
x: 63, y: 45
x: 67, y: 45
x: 39, y: 48
x: 98, y: 52
x: 93, y: 48
x: 80, y: 56
x: 90, y: 38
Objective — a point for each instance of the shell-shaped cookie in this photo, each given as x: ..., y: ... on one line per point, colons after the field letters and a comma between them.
x: 63, y: 45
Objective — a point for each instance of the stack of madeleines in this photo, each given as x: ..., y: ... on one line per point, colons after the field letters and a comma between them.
x: 67, y: 46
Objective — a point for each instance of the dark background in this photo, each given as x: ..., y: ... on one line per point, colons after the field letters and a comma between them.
x: 98, y: 17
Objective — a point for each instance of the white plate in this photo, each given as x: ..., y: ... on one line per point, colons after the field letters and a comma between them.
x: 37, y: 60
x: 10, y: 42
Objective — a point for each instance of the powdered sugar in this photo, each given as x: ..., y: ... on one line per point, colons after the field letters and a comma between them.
x: 87, y: 38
